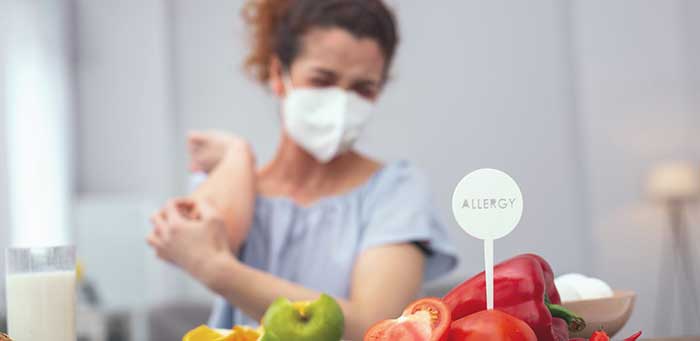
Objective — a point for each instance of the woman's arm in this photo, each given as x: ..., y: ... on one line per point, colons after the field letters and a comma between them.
x: 230, y: 186
x: 385, y: 279
x: 230, y: 189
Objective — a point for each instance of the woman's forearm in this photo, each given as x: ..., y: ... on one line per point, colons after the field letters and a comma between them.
x: 252, y: 291
x: 230, y: 188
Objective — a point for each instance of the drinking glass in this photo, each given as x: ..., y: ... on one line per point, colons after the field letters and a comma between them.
x: 41, y: 293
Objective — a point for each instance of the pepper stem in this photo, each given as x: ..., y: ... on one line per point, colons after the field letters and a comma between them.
x: 575, y: 322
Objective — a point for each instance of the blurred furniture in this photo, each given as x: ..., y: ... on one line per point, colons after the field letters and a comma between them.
x: 674, y: 185
x: 120, y: 327
x: 97, y: 326
x: 170, y: 321
x: 91, y: 324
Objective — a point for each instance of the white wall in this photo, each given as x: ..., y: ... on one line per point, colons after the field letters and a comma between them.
x: 124, y: 104
x: 639, y: 105
x: 692, y: 32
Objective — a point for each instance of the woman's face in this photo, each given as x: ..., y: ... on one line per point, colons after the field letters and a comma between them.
x: 335, y: 58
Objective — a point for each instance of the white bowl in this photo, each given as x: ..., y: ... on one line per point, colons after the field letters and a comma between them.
x: 610, y: 313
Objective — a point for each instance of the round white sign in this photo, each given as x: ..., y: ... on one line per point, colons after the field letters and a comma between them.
x: 487, y: 204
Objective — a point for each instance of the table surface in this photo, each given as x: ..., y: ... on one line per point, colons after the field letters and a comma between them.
x: 692, y: 338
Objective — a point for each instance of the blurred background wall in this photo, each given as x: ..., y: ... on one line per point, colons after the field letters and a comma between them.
x: 638, y: 98
x: 577, y: 100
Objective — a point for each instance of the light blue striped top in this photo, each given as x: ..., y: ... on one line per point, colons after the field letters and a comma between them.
x: 316, y: 246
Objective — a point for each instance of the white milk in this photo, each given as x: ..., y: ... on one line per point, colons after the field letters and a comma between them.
x: 41, y: 306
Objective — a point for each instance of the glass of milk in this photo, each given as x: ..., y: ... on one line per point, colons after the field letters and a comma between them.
x: 41, y: 293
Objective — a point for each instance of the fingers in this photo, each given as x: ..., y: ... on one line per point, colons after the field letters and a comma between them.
x: 188, y: 208
x: 180, y: 209
x: 160, y: 224
x: 158, y: 247
x: 157, y: 244
x: 159, y: 238
x: 208, y: 212
x: 153, y: 240
x: 176, y: 214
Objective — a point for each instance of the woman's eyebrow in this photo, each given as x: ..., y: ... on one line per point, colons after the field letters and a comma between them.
x: 325, y: 72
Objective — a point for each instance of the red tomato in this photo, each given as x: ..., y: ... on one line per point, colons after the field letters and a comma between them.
x: 492, y: 325
x: 440, y: 316
x: 427, y: 319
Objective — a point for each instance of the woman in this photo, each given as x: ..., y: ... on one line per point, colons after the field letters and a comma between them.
x: 319, y: 217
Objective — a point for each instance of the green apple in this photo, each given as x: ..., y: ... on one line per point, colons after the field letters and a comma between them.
x: 319, y: 320
x: 268, y: 336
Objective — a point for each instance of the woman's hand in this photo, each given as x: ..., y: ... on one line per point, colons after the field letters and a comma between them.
x: 190, y: 234
x: 208, y: 148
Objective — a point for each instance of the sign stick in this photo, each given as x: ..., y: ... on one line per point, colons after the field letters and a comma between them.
x: 488, y: 265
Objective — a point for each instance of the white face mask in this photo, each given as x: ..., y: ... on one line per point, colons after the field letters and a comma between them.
x: 326, y: 122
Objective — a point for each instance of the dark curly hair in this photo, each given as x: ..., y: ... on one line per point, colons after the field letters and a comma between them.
x: 277, y: 26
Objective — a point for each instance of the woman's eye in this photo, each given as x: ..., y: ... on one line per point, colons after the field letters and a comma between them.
x: 365, y: 92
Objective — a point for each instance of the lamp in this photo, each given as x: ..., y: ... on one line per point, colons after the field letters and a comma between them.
x: 674, y: 185
x: 675, y: 181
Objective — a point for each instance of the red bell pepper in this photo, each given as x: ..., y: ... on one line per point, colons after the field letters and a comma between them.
x: 492, y: 325
x: 524, y: 288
